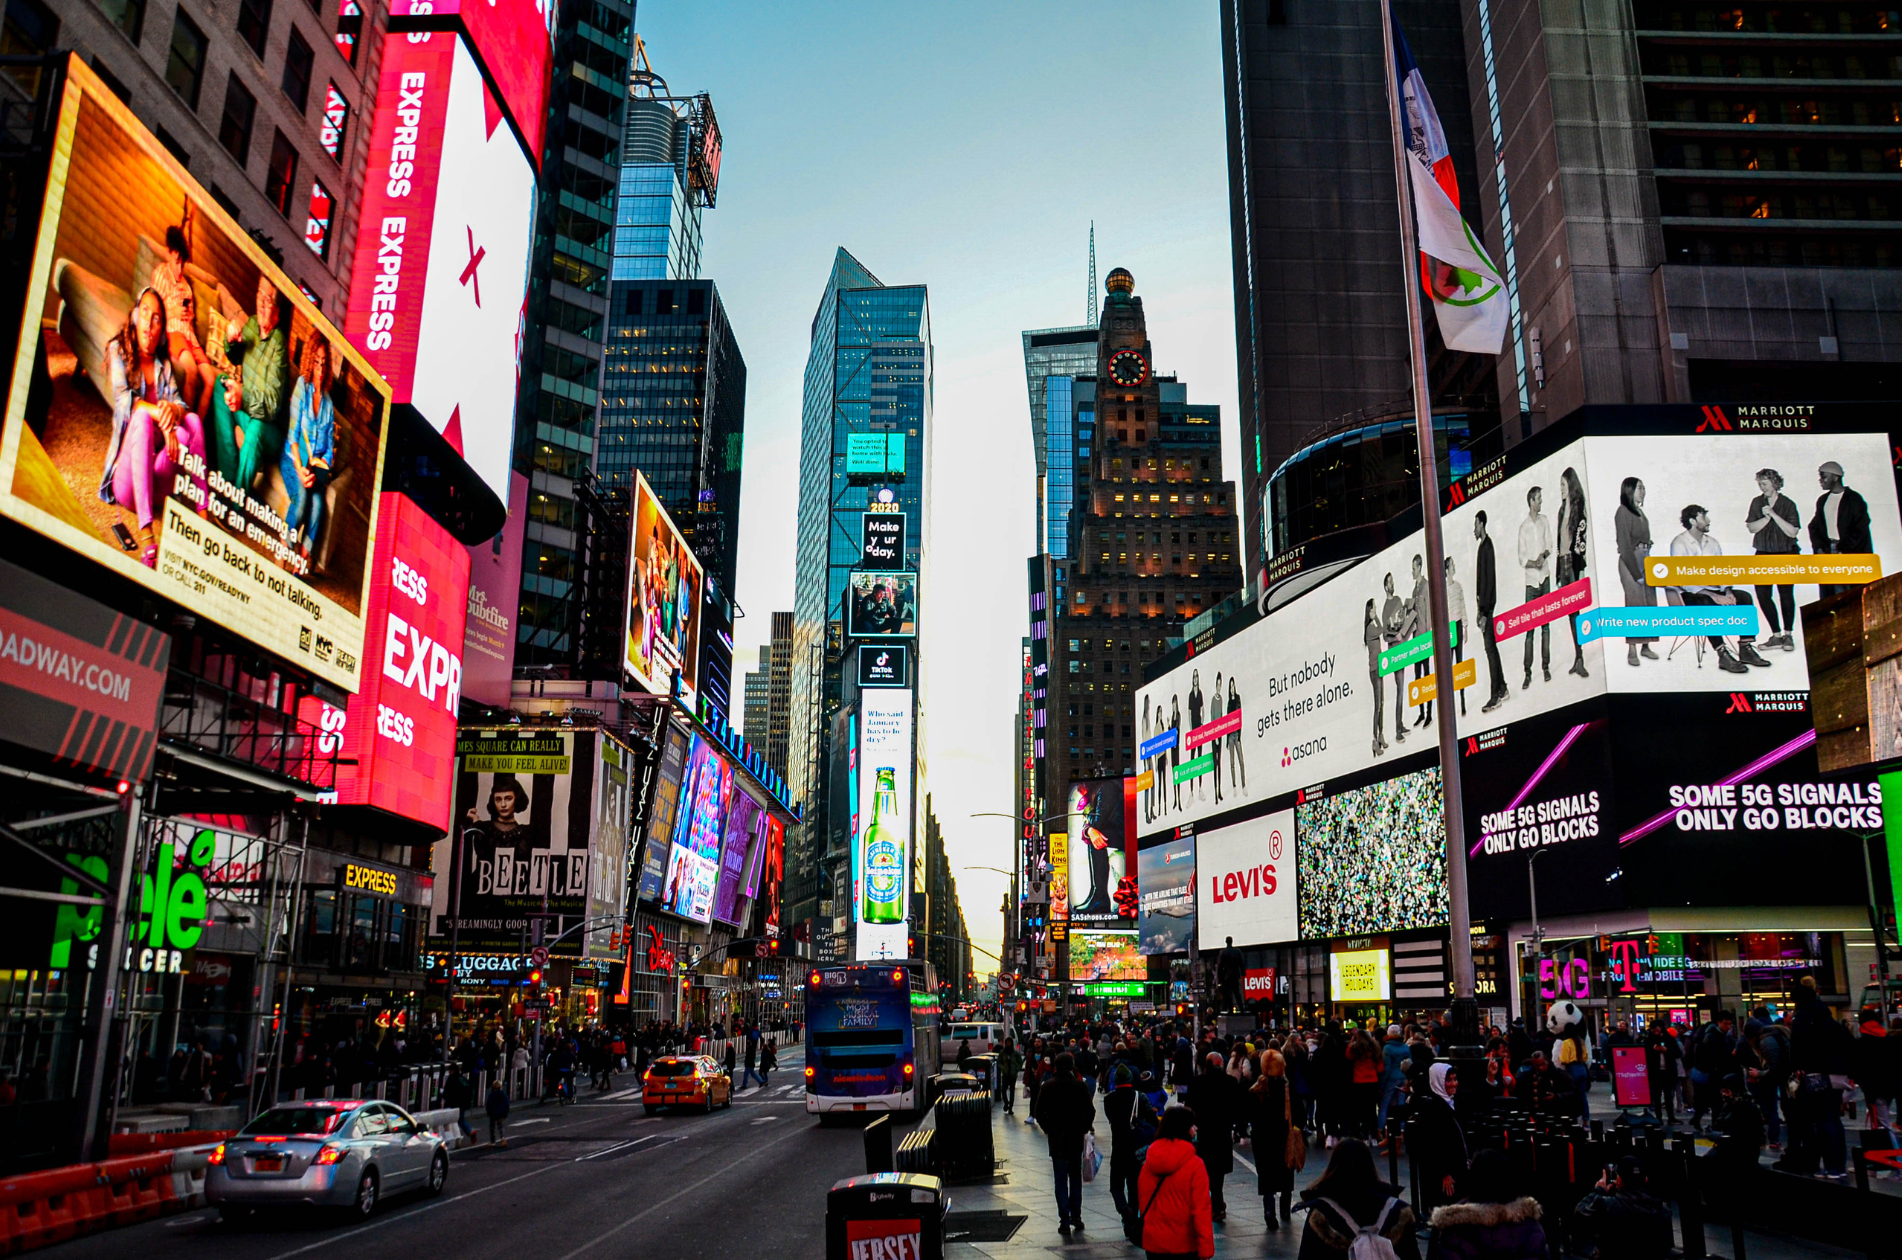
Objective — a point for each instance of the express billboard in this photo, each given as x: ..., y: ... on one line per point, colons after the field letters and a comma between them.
x: 179, y: 412
x: 693, y: 860
x: 1246, y: 885
x: 882, y: 847
x: 1101, y: 841
x: 439, y: 284
x: 1165, y: 878
x: 397, y: 736
x: 663, y: 600
x: 513, y: 39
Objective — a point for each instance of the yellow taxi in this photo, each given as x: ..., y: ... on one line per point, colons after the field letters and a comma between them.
x: 680, y: 1080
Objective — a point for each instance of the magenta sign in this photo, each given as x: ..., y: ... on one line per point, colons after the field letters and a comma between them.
x: 1561, y: 978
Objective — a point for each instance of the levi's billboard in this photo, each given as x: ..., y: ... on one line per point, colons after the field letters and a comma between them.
x: 397, y: 739
x: 1245, y: 882
x: 439, y: 285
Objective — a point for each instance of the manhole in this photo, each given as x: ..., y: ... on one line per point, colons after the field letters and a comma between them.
x: 976, y: 1227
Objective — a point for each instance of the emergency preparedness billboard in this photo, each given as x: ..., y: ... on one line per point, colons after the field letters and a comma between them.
x: 179, y: 412
x: 1165, y: 881
x: 663, y: 600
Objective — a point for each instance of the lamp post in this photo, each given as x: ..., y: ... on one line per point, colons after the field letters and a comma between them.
x: 1538, y: 933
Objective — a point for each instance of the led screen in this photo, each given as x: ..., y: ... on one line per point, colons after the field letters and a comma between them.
x: 664, y: 584
x: 1361, y: 975
x: 1100, y: 889
x: 693, y: 864
x: 495, y: 595
x: 1373, y: 859
x: 1165, y: 877
x: 881, y: 605
x: 1096, y: 955
x: 740, y: 840
x: 660, y: 813
x: 191, y: 484
x: 882, y: 847
x: 512, y: 40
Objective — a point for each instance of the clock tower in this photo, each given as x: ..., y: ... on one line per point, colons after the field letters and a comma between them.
x: 1127, y: 400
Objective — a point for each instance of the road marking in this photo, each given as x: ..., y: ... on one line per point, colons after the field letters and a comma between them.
x: 537, y: 1120
x: 620, y: 1094
x: 427, y: 1207
x: 1244, y: 1163
x: 765, y: 1120
x: 612, y: 1150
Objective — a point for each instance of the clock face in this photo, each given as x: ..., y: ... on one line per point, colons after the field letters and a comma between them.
x: 1127, y: 368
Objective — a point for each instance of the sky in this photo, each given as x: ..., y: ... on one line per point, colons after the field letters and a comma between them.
x: 968, y: 148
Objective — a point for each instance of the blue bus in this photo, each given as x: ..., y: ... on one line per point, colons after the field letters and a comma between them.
x: 872, y: 1036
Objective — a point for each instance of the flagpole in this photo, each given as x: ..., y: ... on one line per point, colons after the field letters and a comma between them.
x: 1465, y: 1009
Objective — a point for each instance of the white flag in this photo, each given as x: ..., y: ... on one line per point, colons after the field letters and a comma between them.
x: 1468, y: 296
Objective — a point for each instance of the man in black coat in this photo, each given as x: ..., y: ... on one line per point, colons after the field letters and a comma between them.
x: 1841, y: 523
x: 1065, y: 1112
x: 1485, y: 599
x: 1216, y: 1098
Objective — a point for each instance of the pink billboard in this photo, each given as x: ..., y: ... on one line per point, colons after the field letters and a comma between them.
x: 495, y: 585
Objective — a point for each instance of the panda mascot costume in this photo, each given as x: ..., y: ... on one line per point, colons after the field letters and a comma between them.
x: 1569, y: 1075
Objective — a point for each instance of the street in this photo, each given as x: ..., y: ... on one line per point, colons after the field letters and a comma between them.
x: 596, y: 1179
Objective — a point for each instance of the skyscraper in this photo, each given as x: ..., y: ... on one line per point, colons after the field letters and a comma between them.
x: 1053, y: 358
x: 779, y: 695
x: 759, y: 688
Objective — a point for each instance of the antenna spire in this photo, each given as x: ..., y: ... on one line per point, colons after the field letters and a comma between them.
x: 1090, y: 315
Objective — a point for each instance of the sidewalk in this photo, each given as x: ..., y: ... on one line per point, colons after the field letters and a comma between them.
x: 1024, y: 1162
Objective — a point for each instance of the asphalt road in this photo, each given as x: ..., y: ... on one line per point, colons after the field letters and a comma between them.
x: 594, y: 1181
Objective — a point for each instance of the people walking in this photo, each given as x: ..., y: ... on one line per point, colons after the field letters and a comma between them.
x: 1490, y: 1222
x: 1435, y: 1141
x: 1173, y: 1188
x: 768, y: 1059
x: 1065, y: 1112
x: 1271, y: 1121
x: 1349, y: 1197
x: 1820, y: 1051
x: 1213, y: 1097
x: 1133, y: 1125
x: 498, y: 1108
x: 1009, y: 1064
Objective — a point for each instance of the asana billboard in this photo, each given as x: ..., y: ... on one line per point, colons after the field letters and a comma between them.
x: 440, y: 279
x: 398, y: 737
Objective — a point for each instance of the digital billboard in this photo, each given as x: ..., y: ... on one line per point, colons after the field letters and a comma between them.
x: 397, y: 737
x: 773, y: 876
x: 1541, y: 787
x: 663, y: 600
x: 1165, y: 881
x: 740, y: 842
x: 1246, y: 883
x: 881, y: 605
x: 882, y: 847
x: 1373, y: 859
x: 155, y: 427
x: 878, y: 455
x: 495, y: 598
x: 884, y: 665
x: 663, y: 803
x: 1100, y: 842
x: 882, y: 540
x: 1362, y: 971
x: 1100, y: 955
x: 693, y: 861
x: 439, y: 284
x: 514, y: 41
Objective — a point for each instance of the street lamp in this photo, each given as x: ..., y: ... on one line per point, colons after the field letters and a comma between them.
x: 1538, y: 933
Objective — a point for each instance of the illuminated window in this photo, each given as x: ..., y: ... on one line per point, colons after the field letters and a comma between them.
x: 336, y: 120
x: 281, y: 176
x: 349, y: 27
x: 317, y: 226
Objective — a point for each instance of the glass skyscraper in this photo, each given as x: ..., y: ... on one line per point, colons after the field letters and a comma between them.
x: 657, y: 216
x: 1051, y: 355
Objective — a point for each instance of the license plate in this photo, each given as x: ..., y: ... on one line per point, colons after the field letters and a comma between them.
x: 858, y: 1106
x: 268, y: 1163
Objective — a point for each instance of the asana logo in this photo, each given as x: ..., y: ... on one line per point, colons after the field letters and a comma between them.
x: 1252, y: 881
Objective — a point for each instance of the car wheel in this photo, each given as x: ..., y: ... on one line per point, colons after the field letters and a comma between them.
x: 364, y: 1204
x: 438, y: 1173
x: 728, y: 1100
x: 706, y: 1108
x: 649, y: 1108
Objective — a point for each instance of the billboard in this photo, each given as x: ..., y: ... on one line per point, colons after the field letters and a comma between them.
x: 884, y: 665
x: 154, y: 427
x: 1541, y: 787
x: 1361, y: 971
x: 1246, y: 883
x: 876, y: 455
x: 439, y: 284
x: 514, y: 42
x: 881, y: 605
x: 1099, y: 843
x: 882, y: 847
x: 537, y: 810
x: 663, y: 600
x: 663, y: 803
x: 397, y: 737
x: 882, y: 540
x: 1373, y: 859
x: 495, y: 600
x: 740, y: 845
x: 774, y: 874
x: 1165, y: 880
x: 1098, y: 955
x: 693, y: 859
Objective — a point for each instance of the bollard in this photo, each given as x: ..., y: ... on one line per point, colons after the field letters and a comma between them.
x: 878, y: 1145
x: 1690, y: 1209
x: 1598, y: 1130
x: 1736, y: 1235
x: 1393, y: 1151
x: 1861, y: 1156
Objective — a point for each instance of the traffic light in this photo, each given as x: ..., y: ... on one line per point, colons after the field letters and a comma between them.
x: 615, y: 940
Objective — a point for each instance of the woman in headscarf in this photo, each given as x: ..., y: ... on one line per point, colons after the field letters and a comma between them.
x: 1271, y: 1111
x: 1435, y: 1140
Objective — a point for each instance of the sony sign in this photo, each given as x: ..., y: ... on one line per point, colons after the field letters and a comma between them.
x: 1245, y: 882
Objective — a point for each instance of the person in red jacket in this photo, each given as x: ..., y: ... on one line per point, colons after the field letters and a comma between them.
x: 1173, y: 1193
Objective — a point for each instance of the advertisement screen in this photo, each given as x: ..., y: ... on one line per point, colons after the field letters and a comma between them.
x: 884, y: 665
x: 1545, y: 787
x: 153, y: 427
x: 1165, y: 880
x: 664, y: 803
x: 881, y: 605
x: 439, y: 284
x: 1096, y: 955
x: 513, y: 41
x: 663, y: 600
x: 1361, y: 975
x: 1101, y: 889
x: 693, y: 862
x: 1373, y: 859
x: 495, y: 598
x: 527, y: 804
x: 398, y: 735
x: 882, y: 540
x: 744, y: 832
x: 1246, y: 883
x: 774, y: 873
x: 883, y: 843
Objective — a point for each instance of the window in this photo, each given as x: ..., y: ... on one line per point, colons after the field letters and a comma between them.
x: 127, y: 15
x: 174, y: 147
x: 317, y: 225
x: 336, y: 121
x: 185, y: 66
x: 111, y: 81
x: 224, y: 201
x: 349, y: 26
x: 297, y: 63
x: 254, y: 23
x: 234, y: 127
x: 281, y: 179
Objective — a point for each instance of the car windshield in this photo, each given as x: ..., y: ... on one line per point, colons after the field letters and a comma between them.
x: 297, y: 1121
x: 672, y: 1069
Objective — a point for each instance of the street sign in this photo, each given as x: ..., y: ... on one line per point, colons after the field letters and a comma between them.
x: 539, y: 956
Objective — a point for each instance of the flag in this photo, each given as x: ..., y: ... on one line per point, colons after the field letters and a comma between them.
x: 1469, y: 298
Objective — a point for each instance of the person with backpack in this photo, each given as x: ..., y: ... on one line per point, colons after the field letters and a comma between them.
x: 1175, y: 1219
x: 1353, y: 1214
x: 1132, y: 1124
x: 1491, y: 1222
x: 498, y: 1107
x: 1271, y: 1120
x: 1065, y: 1113
x: 1768, y: 1080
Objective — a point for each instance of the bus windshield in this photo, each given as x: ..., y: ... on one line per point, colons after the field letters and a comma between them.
x: 873, y: 1037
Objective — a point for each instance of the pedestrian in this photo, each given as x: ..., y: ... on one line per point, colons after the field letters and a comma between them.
x: 1133, y: 1125
x: 1216, y: 1099
x: 1435, y: 1141
x: 1713, y: 1057
x: 1009, y: 1064
x: 1395, y: 1059
x: 732, y: 1058
x: 1820, y: 1049
x: 768, y: 1059
x: 1176, y: 1218
x: 498, y: 1107
x: 1660, y: 1069
x: 1621, y: 1218
x: 752, y: 1057
x: 1872, y: 1067
x: 1328, y: 1075
x: 1365, y: 1067
x: 1768, y: 1082
x: 1575, y: 1058
x: 1349, y: 1197
x: 1034, y: 1068
x: 1065, y: 1113
x: 456, y: 1093
x: 1490, y: 1222
x: 1271, y: 1120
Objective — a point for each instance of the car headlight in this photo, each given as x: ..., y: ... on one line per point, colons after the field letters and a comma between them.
x: 329, y: 1155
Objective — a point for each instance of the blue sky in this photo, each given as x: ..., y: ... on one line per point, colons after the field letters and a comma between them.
x: 965, y: 147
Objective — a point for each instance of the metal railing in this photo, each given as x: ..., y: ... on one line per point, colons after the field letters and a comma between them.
x: 229, y: 724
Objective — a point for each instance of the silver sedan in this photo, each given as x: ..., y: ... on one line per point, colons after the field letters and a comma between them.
x: 344, y: 1153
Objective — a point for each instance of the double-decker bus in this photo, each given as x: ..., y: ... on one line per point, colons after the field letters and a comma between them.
x: 872, y: 1036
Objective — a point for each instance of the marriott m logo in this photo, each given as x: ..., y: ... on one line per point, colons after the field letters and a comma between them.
x: 1715, y: 421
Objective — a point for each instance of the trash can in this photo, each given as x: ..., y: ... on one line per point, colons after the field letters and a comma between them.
x: 886, y: 1216
x: 984, y: 1067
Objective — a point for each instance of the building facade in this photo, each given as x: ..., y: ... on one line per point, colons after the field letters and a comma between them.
x: 759, y: 687
x: 779, y: 693
x: 1053, y: 359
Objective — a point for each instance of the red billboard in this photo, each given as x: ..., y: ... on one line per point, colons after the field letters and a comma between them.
x: 512, y: 39
x: 400, y: 729
x: 439, y: 284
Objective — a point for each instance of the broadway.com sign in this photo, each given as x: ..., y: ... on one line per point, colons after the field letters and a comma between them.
x: 1245, y: 882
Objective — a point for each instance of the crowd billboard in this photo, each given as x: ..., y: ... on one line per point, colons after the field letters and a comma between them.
x: 1105, y: 955
x: 663, y: 600
x: 1101, y: 840
x: 495, y: 600
x: 882, y: 847
x: 397, y: 736
x: 1165, y: 881
x: 1373, y: 859
x: 1246, y: 886
x: 693, y: 860
x: 153, y: 426
x: 881, y: 605
x: 439, y: 284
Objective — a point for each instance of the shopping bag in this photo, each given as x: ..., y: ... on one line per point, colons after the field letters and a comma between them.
x: 1092, y: 1158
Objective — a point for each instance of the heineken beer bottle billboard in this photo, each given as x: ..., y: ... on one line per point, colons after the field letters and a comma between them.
x: 882, y: 856
x: 884, y: 849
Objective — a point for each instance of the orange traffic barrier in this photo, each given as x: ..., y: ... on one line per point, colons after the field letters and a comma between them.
x: 40, y: 1208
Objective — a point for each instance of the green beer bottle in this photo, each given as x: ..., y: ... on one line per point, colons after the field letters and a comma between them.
x: 884, y: 856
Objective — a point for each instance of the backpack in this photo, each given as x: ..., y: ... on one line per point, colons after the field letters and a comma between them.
x: 1142, y: 1122
x: 1368, y: 1242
